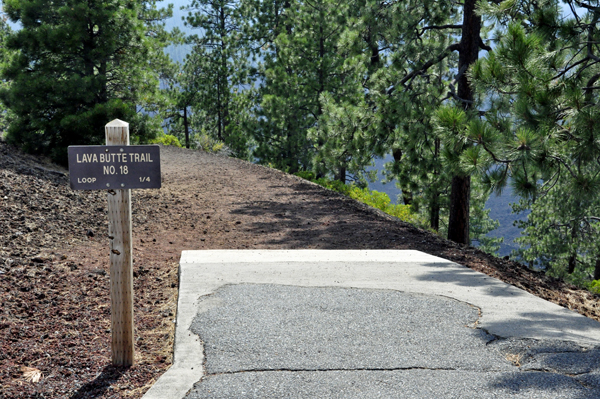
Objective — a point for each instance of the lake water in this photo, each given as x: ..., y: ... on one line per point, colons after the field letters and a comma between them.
x: 499, y: 209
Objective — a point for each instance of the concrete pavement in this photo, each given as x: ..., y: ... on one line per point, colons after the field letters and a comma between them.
x: 368, y: 324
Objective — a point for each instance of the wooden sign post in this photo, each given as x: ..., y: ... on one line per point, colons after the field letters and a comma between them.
x: 117, y: 167
x: 121, y: 266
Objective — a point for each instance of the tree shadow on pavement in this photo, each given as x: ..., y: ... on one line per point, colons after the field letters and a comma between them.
x: 464, y: 277
x: 557, y: 368
x: 553, y: 385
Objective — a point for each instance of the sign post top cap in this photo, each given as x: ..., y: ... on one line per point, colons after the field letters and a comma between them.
x: 117, y: 123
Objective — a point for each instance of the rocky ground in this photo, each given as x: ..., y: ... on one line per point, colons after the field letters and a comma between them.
x: 54, y: 285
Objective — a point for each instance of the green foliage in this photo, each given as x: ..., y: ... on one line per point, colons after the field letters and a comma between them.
x: 542, y: 130
x: 305, y: 174
x: 167, y: 139
x: 6, y: 114
x: 480, y: 222
x: 77, y: 66
x: 595, y: 286
x: 374, y: 199
x: 208, y: 144
x: 213, y: 85
x: 299, y: 65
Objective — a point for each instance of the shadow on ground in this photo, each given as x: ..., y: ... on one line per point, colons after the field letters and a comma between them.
x: 109, y: 376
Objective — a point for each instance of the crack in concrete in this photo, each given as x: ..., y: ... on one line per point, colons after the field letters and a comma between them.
x: 291, y: 370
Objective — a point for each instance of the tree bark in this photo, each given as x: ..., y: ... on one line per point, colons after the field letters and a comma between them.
x: 342, y: 174
x: 458, y: 224
x: 186, y: 127
x: 597, y: 269
x: 434, y: 212
x: 572, y: 263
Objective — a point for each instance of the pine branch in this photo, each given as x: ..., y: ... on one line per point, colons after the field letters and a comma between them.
x: 492, y: 154
x: 484, y: 46
x: 438, y: 27
x: 564, y: 164
x: 426, y: 66
x: 589, y: 7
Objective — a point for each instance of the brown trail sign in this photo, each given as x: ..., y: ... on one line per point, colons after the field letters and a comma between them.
x: 104, y: 167
x: 117, y: 167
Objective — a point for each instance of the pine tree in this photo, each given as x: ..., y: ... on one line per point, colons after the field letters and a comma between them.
x: 79, y: 65
x: 406, y: 58
x: 299, y: 66
x: 178, y: 113
x: 5, y: 54
x: 541, y: 129
x: 217, y: 71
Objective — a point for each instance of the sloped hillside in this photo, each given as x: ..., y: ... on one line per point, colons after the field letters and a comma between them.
x: 54, y: 286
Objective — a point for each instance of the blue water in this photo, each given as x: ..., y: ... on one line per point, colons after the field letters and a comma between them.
x: 499, y: 208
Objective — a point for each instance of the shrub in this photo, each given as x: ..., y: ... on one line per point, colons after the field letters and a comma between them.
x: 595, y: 286
x: 208, y: 144
x: 375, y: 199
x: 167, y: 139
x: 306, y: 175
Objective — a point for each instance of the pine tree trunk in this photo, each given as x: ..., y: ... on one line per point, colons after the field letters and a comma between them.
x: 572, y: 262
x: 458, y: 225
x: 434, y: 212
x: 223, y: 82
x: 597, y: 269
x: 573, y: 257
x: 104, y: 90
x: 342, y: 174
x: 186, y: 127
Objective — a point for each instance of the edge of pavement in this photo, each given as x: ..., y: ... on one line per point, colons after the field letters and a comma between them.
x: 505, y: 311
